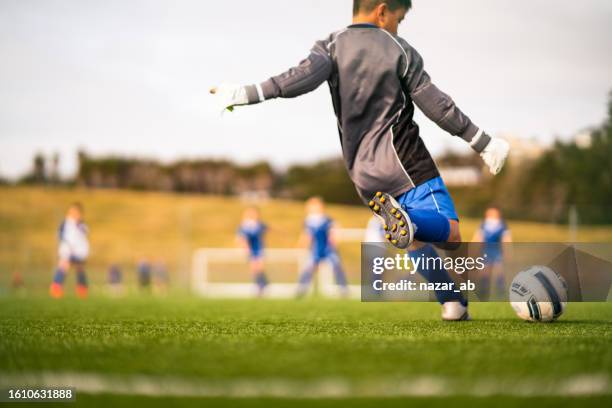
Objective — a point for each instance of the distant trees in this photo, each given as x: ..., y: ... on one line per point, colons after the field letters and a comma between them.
x: 569, y: 175
x: 326, y: 178
x: 203, y: 176
x: 576, y: 175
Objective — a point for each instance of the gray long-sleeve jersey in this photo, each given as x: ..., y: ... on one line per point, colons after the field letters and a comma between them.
x: 375, y: 79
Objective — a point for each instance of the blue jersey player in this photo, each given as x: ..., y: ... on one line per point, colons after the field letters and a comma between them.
x: 493, y: 231
x: 251, y: 237
x: 318, y: 235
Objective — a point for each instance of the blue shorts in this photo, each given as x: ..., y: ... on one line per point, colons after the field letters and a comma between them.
x: 492, y: 253
x: 76, y: 260
x: 319, y: 256
x: 431, y: 195
x: 255, y: 254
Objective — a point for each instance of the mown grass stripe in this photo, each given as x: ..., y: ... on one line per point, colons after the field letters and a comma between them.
x: 425, y: 386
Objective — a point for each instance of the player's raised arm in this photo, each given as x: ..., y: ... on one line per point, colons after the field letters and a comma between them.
x: 301, y: 79
x: 441, y: 109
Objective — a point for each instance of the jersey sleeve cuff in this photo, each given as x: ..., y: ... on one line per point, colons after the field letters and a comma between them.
x: 480, y: 141
x: 260, y: 92
x: 254, y: 94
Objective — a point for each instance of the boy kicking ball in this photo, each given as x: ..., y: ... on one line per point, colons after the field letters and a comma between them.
x: 73, y: 251
x: 376, y: 78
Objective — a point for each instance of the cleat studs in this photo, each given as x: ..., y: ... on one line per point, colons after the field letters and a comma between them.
x: 379, y: 194
x: 382, y: 200
x: 394, y: 242
x: 398, y: 216
x: 404, y: 233
x: 388, y: 236
x: 393, y: 211
x: 386, y: 227
x: 402, y: 223
x: 394, y: 228
x: 376, y: 208
x: 371, y: 203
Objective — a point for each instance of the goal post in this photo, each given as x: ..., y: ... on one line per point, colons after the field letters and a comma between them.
x: 290, y: 261
x: 204, y: 257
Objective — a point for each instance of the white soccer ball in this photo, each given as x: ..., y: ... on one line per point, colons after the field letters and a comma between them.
x: 538, y: 294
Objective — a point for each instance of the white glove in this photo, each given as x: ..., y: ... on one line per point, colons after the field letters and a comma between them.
x: 495, y: 154
x: 229, y: 95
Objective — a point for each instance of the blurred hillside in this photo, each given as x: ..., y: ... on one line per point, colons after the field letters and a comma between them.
x: 126, y: 226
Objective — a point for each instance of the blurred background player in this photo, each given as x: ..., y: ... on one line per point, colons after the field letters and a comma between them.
x: 73, y: 251
x: 161, y: 277
x: 493, y: 231
x: 115, y: 280
x: 143, y: 271
x: 17, y: 283
x: 319, y: 235
x: 251, y: 237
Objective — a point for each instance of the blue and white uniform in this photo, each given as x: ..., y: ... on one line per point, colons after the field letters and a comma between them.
x: 253, y: 233
x: 492, y: 232
x: 73, y: 241
x: 318, y: 227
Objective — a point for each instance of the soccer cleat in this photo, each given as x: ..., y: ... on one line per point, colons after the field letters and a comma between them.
x: 454, y: 312
x: 397, y: 224
x: 56, y: 290
x: 82, y: 291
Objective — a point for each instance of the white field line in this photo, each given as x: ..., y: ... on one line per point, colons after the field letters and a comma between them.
x: 424, y: 386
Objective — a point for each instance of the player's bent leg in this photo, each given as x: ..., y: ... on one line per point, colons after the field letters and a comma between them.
x: 454, y: 304
x: 429, y: 209
x: 257, y: 270
x: 82, y: 287
x: 454, y: 238
x: 398, y: 226
x: 306, y: 278
x: 402, y: 226
x: 339, y: 274
x: 455, y: 232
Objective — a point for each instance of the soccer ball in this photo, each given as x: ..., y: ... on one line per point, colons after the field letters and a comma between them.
x: 538, y: 294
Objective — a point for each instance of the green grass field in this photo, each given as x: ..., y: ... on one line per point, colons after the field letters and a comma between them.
x: 184, y: 351
x: 250, y: 351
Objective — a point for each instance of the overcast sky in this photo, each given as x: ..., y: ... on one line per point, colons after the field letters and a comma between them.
x: 131, y: 77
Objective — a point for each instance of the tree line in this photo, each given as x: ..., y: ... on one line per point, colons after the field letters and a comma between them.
x: 567, y: 176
